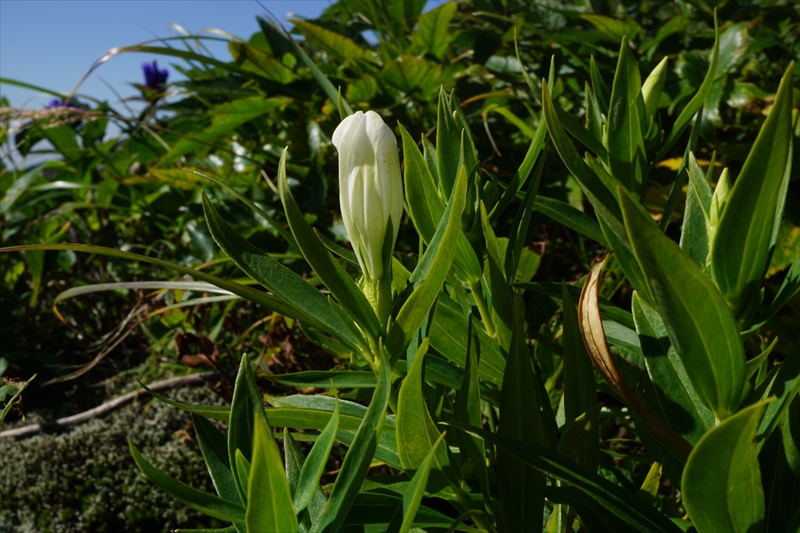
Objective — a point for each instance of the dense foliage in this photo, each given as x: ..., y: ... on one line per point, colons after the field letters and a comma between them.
x: 532, y: 144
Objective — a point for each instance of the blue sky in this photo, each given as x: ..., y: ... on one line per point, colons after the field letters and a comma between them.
x: 53, y: 43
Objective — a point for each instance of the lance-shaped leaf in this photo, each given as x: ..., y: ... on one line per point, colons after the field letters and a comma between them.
x: 448, y: 143
x: 261, y: 298
x: 722, y: 481
x: 314, y: 466
x: 699, y: 323
x: 779, y: 461
x: 468, y: 411
x: 681, y: 407
x: 425, y: 207
x: 626, y: 154
x: 412, y: 497
x: 521, y: 487
x: 269, y: 501
x: 290, y: 287
x: 634, y: 511
x: 359, y: 456
x: 600, y: 88
x: 416, y: 431
x: 342, y: 287
x: 198, y: 500
x: 246, y: 406
x: 697, y: 101
x: 502, y: 309
x: 784, y: 387
x: 743, y: 238
x: 602, y: 199
x: 435, y: 263
x: 696, y: 215
x: 580, y: 389
x: 214, y: 447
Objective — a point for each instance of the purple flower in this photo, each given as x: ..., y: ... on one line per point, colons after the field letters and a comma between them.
x: 153, y: 77
x: 59, y: 102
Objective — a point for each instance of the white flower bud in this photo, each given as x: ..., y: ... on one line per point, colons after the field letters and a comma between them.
x: 370, y: 185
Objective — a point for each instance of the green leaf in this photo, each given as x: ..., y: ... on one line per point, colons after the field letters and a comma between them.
x: 198, y: 500
x: 744, y: 236
x: 311, y: 305
x: 784, y: 387
x: 432, y: 35
x: 581, y: 134
x: 594, y: 517
x: 314, y: 466
x: 614, y: 29
x: 441, y: 252
x: 652, y: 88
x: 682, y: 409
x: 448, y: 144
x: 571, y: 217
x: 342, y: 287
x: 425, y: 207
x: 266, y: 300
x: 788, y: 289
x: 680, y: 178
x: 413, y: 76
x: 416, y: 431
x: 334, y: 44
x: 371, y: 508
x: 349, y: 379
x: 242, y: 469
x: 246, y: 407
x: 610, y: 495
x: 779, y: 461
x: 600, y: 88
x: 721, y: 484
x: 414, y: 492
x: 522, y: 173
x: 323, y: 81
x: 518, y: 237
x: 468, y: 411
x: 18, y: 188
x: 580, y: 388
x: 249, y: 57
x: 521, y: 486
x: 603, y: 201
x: 626, y: 120
x: 649, y: 490
x: 226, y: 118
x: 697, y: 215
x: 214, y: 447
x: 358, y: 458
x: 294, y: 459
x: 699, y: 323
x: 501, y: 306
x: 215, y: 412
x: 697, y: 101
x: 422, y: 197
x: 450, y: 334
x: 269, y: 502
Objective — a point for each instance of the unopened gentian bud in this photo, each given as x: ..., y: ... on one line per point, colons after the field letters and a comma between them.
x: 370, y: 185
x: 720, y: 197
x: 154, y: 78
x: 371, y: 197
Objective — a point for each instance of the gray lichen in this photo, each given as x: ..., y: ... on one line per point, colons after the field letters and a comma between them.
x: 84, y: 480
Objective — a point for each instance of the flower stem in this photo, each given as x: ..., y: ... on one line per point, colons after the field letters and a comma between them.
x: 379, y: 293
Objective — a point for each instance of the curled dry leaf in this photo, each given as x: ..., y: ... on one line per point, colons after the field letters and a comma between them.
x: 594, y: 338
